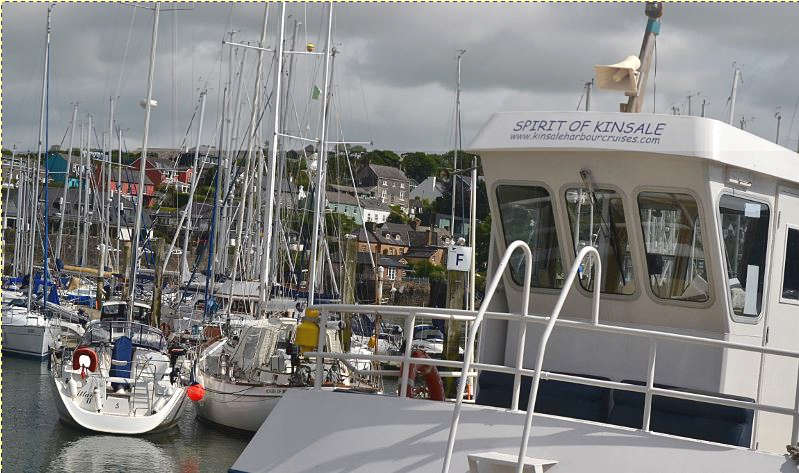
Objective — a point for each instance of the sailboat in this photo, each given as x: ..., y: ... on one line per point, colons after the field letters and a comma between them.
x: 246, y: 372
x: 122, y: 378
x: 31, y: 326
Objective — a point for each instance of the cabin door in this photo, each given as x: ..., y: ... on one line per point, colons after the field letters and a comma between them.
x: 779, y: 382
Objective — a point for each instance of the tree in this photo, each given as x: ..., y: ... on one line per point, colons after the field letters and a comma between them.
x: 381, y: 157
x: 426, y: 269
x: 419, y: 166
x: 397, y: 215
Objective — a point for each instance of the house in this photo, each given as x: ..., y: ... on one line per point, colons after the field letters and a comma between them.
x: 394, y: 267
x: 390, y: 185
x: 57, y: 166
x: 369, y: 210
x: 168, y: 171
x: 431, y: 254
x: 382, y: 243
x: 430, y: 189
x: 129, y: 184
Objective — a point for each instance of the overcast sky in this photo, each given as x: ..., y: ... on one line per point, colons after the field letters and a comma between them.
x: 394, y: 75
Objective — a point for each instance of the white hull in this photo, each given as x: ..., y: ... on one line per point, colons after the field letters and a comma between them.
x: 29, y: 340
x: 237, y: 406
x: 70, y: 411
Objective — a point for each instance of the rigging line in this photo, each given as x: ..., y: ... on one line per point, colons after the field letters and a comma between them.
x: 793, y: 117
x: 125, y: 53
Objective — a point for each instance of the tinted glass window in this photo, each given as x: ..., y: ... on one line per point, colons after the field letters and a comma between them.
x: 675, y: 257
x: 526, y: 213
x: 599, y: 221
x: 790, y: 275
x: 744, y: 229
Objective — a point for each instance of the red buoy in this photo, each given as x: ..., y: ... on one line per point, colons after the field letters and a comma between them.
x: 195, y: 392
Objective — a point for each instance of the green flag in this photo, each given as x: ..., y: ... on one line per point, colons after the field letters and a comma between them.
x: 315, y: 93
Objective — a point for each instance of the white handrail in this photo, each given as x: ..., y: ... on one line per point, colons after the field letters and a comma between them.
x: 542, y: 346
x: 469, y: 351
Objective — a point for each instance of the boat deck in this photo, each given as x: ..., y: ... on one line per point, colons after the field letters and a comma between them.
x: 312, y: 431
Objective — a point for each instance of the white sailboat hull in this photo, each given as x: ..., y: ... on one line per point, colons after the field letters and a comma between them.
x: 121, y: 424
x: 237, y: 406
x: 28, y: 340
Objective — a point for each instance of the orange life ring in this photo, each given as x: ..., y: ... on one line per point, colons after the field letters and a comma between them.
x: 84, y: 351
x: 435, y: 387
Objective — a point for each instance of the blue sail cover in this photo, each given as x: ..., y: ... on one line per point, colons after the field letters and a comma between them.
x: 121, y: 358
x: 53, y: 297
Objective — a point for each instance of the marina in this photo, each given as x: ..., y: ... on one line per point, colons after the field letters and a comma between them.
x: 610, y: 288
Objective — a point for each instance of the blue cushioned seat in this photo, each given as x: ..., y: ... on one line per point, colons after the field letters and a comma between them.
x: 692, y: 419
x: 554, y: 397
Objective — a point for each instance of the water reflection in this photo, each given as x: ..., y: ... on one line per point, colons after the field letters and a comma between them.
x: 136, y: 454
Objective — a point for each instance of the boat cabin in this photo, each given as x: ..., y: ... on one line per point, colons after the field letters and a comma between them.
x: 118, y: 310
x: 697, y: 226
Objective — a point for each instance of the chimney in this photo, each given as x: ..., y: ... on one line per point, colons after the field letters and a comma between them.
x: 370, y: 226
x: 430, y: 236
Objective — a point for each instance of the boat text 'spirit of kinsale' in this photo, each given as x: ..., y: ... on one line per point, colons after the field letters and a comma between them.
x: 623, y: 126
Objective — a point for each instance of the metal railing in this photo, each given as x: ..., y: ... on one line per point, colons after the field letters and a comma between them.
x: 475, y: 319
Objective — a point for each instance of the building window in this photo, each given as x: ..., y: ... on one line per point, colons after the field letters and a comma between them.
x: 526, y: 214
x: 402, y: 195
x: 600, y: 222
x: 391, y: 273
x: 675, y: 256
x: 790, y: 274
x: 744, y: 229
x: 385, y: 183
x: 402, y: 185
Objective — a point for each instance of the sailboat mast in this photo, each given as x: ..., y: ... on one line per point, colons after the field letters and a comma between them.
x: 209, y: 272
x: 119, y: 195
x: 265, y: 286
x: 184, y: 262
x: 78, y: 217
x: 461, y: 52
x: 320, y: 191
x: 88, y: 171
x: 140, y: 203
x: 66, y: 183
x: 35, y: 195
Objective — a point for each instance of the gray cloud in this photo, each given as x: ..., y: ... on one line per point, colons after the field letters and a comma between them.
x: 394, y: 75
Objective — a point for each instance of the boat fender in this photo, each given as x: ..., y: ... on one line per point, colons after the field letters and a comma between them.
x: 435, y: 386
x: 73, y: 387
x: 84, y: 358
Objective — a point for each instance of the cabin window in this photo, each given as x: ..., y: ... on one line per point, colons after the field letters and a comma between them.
x: 790, y: 275
x: 744, y: 229
x: 675, y: 257
x: 602, y: 225
x: 526, y: 214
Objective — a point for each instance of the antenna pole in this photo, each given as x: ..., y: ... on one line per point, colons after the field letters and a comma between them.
x: 704, y: 101
x: 735, y: 78
x: 588, y: 86
x: 778, y: 116
x: 654, y: 10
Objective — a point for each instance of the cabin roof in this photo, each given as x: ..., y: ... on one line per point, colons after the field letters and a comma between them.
x: 675, y: 135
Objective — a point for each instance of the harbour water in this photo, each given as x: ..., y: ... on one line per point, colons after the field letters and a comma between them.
x: 34, y: 440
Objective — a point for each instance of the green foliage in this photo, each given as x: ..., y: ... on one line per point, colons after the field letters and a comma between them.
x: 426, y: 269
x: 6, y: 152
x: 397, y: 215
x: 343, y: 223
x: 483, y: 239
x: 380, y: 157
x: 419, y: 166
